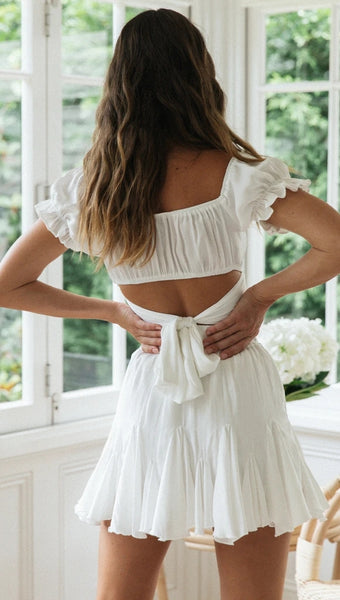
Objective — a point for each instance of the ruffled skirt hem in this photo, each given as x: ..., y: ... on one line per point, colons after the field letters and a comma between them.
x: 168, y: 498
x: 230, y: 542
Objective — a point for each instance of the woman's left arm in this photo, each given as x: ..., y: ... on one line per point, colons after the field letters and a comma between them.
x: 319, y: 224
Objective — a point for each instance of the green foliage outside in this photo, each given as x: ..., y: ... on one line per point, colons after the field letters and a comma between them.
x: 297, y: 49
x: 297, y: 128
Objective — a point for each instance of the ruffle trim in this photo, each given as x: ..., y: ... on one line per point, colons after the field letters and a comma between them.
x: 262, y: 208
x: 168, y: 498
x: 60, y: 212
x: 61, y: 225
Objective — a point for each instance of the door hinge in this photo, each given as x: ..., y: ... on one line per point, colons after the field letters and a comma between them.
x: 47, y: 380
x: 47, y: 15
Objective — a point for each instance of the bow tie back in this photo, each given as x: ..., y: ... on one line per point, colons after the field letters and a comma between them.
x: 182, y: 361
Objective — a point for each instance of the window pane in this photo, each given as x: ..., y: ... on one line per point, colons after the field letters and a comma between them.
x: 10, y: 34
x: 131, y: 12
x: 86, y: 37
x: 10, y: 229
x: 297, y: 45
x: 296, y: 132
x: 87, y: 343
x: 79, y: 107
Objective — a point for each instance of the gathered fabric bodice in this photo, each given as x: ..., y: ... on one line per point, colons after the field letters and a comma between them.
x: 198, y: 241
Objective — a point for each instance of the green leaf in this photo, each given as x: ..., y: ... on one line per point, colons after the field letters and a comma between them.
x: 306, y: 392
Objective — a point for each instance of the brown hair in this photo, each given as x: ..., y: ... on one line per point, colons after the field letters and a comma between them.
x: 160, y: 92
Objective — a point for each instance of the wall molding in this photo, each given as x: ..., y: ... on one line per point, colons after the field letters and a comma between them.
x: 24, y: 483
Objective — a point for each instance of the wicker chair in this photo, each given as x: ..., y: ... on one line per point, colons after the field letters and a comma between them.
x: 309, y: 551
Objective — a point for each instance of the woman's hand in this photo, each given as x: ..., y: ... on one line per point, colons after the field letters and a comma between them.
x: 147, y: 334
x: 233, y: 334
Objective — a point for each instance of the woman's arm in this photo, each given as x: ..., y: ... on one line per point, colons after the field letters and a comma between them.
x: 19, y: 288
x: 319, y: 224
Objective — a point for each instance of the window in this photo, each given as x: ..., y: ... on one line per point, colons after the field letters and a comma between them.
x: 294, y: 85
x: 53, y: 57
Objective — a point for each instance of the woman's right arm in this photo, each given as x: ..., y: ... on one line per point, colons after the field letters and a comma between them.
x: 21, y: 290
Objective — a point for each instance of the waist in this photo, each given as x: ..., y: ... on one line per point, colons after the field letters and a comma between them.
x: 182, y: 362
x: 212, y: 314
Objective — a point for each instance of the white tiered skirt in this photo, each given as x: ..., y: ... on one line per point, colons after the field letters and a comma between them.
x: 199, y: 442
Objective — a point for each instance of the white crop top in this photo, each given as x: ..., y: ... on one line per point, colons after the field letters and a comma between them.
x: 201, y: 240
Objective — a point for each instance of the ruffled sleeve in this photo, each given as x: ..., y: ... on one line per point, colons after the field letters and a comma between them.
x: 61, y: 212
x: 255, y: 187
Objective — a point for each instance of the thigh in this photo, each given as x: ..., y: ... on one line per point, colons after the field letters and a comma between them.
x: 255, y: 567
x: 128, y: 567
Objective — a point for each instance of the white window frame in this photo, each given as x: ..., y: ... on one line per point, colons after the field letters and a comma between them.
x: 96, y: 401
x: 34, y: 408
x: 44, y: 403
x: 257, y: 90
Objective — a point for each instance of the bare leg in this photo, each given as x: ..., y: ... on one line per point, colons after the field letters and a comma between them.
x: 128, y: 567
x: 254, y: 568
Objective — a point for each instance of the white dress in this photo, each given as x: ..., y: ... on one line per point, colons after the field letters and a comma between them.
x: 197, y: 442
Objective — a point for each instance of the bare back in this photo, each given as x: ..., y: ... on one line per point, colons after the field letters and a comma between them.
x: 192, y: 178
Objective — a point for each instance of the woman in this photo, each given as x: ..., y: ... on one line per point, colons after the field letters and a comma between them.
x: 201, y: 436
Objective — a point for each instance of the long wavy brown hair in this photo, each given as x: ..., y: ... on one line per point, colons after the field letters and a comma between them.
x: 160, y: 92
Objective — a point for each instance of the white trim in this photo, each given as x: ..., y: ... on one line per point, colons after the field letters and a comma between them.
x: 176, y: 4
x: 275, y: 6
x: 298, y: 86
x: 34, y: 409
x: 14, y: 75
x: 255, y: 128
x: 43, y: 439
x: 319, y: 415
x: 88, y: 403
x: 83, y: 80
x: 257, y: 90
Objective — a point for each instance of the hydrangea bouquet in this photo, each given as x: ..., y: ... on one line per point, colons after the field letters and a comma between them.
x: 303, y: 352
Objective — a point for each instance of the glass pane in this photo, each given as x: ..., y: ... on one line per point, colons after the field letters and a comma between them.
x: 297, y: 45
x: 297, y: 133
x: 86, y: 37
x: 132, y: 11
x: 10, y: 34
x: 87, y: 343
x: 79, y: 107
x: 10, y: 229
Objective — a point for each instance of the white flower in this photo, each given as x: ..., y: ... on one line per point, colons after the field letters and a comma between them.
x: 300, y: 348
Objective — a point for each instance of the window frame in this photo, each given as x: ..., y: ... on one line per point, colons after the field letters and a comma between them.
x: 44, y: 403
x: 237, y: 69
x: 33, y: 410
x: 96, y: 401
x: 256, y: 12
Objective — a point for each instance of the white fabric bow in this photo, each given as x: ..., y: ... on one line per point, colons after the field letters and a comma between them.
x: 182, y: 361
